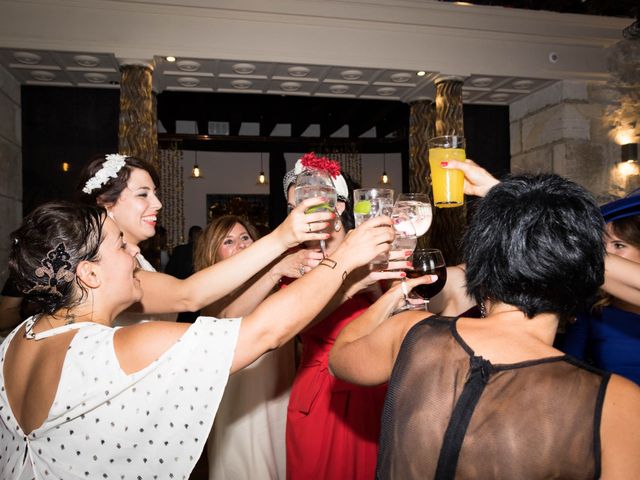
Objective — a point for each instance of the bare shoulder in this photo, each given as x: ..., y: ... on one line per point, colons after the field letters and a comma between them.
x: 136, y: 346
x: 404, y: 321
x: 622, y: 394
x: 620, y: 429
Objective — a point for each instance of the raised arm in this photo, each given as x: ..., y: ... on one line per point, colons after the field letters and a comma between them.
x: 622, y: 279
x: 453, y: 299
x: 282, y: 315
x: 366, y: 349
x: 165, y: 294
x: 245, y: 300
x: 278, y: 318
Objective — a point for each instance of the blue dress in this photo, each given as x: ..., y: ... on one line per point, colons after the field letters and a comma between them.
x: 610, y: 341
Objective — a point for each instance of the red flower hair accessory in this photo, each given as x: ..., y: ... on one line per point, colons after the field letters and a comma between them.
x: 309, y: 160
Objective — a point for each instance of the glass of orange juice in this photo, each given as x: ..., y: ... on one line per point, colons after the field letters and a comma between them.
x: 448, y: 184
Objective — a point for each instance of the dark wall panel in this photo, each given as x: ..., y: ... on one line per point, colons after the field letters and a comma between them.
x: 63, y: 124
x: 486, y: 129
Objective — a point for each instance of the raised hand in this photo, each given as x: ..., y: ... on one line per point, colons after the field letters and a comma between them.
x: 364, y: 243
x: 301, y: 227
x: 477, y: 181
x: 298, y: 263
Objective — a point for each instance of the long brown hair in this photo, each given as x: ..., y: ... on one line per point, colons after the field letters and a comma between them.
x: 211, y: 238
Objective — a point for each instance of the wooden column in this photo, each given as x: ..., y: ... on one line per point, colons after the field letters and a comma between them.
x: 421, y: 127
x: 137, y: 134
x: 448, y: 223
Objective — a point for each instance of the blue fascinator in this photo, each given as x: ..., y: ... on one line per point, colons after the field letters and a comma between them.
x: 621, y: 208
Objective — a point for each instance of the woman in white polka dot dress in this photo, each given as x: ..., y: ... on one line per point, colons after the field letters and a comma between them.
x: 80, y: 399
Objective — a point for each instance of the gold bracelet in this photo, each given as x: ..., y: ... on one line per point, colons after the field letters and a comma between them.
x: 327, y: 262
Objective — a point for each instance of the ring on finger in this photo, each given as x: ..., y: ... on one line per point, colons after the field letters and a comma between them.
x: 308, y: 228
x: 301, y: 270
x: 405, y: 290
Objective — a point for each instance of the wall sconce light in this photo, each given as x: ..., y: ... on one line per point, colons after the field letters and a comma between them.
x: 262, y: 178
x: 384, y: 178
x: 65, y: 166
x: 195, y: 171
x: 629, y: 152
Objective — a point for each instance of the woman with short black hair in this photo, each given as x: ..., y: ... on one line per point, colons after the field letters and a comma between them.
x: 492, y: 398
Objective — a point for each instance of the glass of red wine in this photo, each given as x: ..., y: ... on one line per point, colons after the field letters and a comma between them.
x: 426, y: 261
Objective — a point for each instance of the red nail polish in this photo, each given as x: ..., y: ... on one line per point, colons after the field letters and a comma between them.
x: 444, y: 164
x: 409, y: 264
x: 408, y: 252
x: 402, y: 274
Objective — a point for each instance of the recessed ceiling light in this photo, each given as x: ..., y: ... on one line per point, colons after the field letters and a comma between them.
x: 421, y: 73
x: 241, y: 84
x: 244, y: 68
x: 481, y: 82
x: 400, y: 77
x: 290, y: 86
x: 27, y: 58
x: 499, y: 97
x: 43, y: 75
x: 351, y: 74
x: 386, y: 91
x: 86, y: 60
x: 298, y: 71
x: 339, y: 89
x: 189, y: 82
x: 188, y: 65
x: 170, y: 59
x: 522, y: 84
x: 93, y: 77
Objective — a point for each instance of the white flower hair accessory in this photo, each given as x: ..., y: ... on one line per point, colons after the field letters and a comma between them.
x: 110, y: 168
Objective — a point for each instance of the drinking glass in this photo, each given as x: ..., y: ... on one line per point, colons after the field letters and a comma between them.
x: 426, y: 261
x: 406, y: 238
x: 418, y: 207
x: 447, y: 183
x: 316, y: 183
x: 369, y: 203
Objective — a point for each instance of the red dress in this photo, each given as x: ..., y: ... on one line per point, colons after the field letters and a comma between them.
x: 332, y: 426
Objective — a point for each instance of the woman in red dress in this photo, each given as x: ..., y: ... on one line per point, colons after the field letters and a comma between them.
x: 333, y: 426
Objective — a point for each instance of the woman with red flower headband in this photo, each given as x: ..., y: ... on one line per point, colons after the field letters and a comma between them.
x: 333, y: 426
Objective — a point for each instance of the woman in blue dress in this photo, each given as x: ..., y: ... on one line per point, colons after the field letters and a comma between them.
x: 609, y: 335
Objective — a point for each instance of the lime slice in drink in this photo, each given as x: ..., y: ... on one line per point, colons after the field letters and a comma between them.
x: 323, y: 207
x: 363, y: 207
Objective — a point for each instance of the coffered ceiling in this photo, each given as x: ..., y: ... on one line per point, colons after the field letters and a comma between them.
x: 91, y: 69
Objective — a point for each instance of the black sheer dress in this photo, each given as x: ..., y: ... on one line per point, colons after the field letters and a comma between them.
x: 450, y: 414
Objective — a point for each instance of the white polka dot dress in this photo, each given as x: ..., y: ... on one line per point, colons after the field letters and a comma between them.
x: 105, y: 424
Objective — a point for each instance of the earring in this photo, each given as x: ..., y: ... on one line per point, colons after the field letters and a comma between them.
x: 337, y: 225
x: 483, y: 309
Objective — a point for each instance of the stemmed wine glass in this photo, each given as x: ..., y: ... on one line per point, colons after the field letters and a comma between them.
x: 419, y: 208
x: 312, y: 183
x: 426, y: 261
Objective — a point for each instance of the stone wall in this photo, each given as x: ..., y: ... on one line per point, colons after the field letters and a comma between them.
x: 564, y: 129
x: 10, y: 164
x: 575, y: 128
